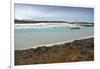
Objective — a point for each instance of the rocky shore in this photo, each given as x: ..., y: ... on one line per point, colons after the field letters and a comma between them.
x: 78, y: 50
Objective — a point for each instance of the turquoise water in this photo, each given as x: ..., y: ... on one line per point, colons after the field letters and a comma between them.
x: 26, y: 38
x: 59, y: 29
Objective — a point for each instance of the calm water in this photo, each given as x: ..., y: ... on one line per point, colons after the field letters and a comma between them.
x: 27, y: 38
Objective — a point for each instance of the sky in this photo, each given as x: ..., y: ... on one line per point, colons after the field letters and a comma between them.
x: 53, y: 13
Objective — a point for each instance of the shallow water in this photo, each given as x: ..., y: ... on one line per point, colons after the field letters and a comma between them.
x: 27, y: 38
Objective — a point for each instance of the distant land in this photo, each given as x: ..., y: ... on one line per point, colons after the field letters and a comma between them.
x: 33, y: 21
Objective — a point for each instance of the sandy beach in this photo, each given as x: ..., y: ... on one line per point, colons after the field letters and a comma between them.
x: 58, y: 43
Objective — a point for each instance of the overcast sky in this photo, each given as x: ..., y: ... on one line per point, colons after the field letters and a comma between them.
x: 53, y: 13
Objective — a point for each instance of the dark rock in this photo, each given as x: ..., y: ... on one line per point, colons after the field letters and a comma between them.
x: 57, y: 53
x: 41, y: 49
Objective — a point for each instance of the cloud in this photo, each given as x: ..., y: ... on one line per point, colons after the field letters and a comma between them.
x: 41, y: 12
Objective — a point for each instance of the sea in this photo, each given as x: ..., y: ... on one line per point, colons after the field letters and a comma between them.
x: 34, y: 36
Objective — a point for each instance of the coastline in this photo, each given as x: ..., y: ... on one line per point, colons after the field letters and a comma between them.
x: 76, y: 51
x: 58, y: 43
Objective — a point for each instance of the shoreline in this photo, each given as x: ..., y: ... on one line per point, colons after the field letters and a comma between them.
x: 58, y: 43
x: 76, y: 51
